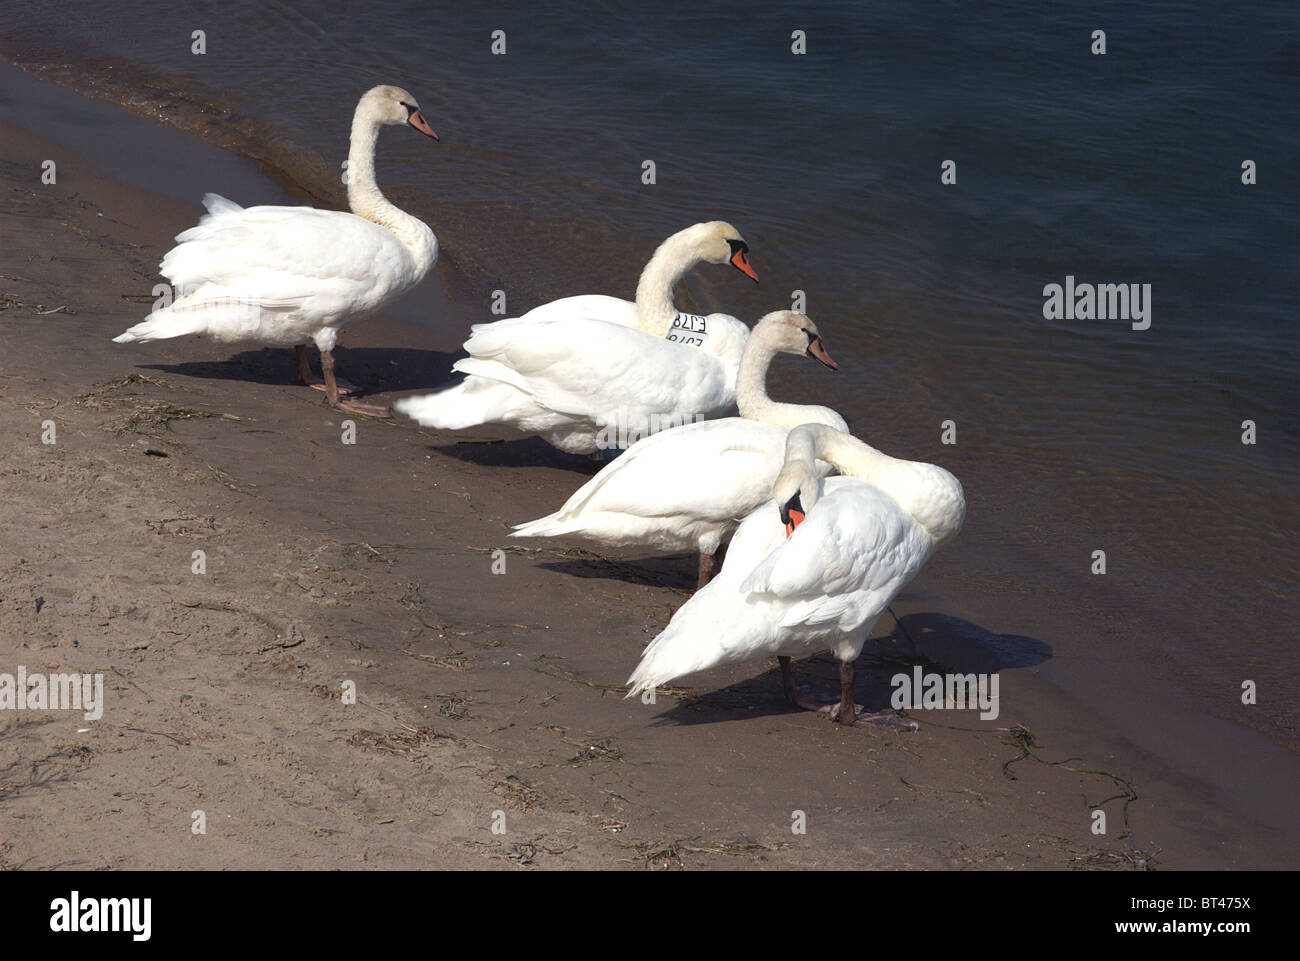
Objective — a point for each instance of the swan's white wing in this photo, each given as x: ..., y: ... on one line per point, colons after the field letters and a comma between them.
x: 702, y: 468
x: 682, y: 489
x: 613, y: 310
x: 827, y: 582
x: 593, y: 369
x: 845, y: 562
x: 280, y: 257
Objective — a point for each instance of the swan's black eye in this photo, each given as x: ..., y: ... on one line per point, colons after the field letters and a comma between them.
x: 736, y: 245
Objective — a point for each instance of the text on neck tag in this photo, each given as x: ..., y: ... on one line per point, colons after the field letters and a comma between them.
x: 689, y: 329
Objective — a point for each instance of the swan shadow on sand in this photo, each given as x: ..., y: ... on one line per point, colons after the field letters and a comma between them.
x: 489, y: 449
x: 938, y: 643
x: 676, y: 571
x: 379, y: 369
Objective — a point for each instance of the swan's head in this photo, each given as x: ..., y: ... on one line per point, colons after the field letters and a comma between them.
x: 387, y: 104
x: 717, y: 242
x: 793, y: 333
x: 798, y: 488
x: 796, y: 491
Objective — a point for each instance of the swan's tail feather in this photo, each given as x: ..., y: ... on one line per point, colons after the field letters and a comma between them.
x: 668, y: 657
x: 218, y: 206
x: 548, y: 526
x: 694, y: 640
x: 162, y: 325
x: 469, y: 404
x: 212, y: 310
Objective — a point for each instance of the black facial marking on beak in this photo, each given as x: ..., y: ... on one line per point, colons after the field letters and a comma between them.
x: 740, y: 258
x: 817, y: 350
x: 792, y: 513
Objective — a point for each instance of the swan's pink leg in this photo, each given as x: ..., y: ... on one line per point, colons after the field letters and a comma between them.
x: 311, y: 380
x: 710, y: 564
x: 850, y: 715
x: 706, y: 570
x: 843, y: 711
x: 332, y: 392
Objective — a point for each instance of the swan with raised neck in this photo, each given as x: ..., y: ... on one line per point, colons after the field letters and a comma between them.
x: 714, y: 242
x: 780, y: 332
x: 382, y: 106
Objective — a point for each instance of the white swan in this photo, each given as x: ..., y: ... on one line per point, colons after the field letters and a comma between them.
x: 282, y: 276
x: 581, y: 369
x: 687, y: 488
x: 794, y: 583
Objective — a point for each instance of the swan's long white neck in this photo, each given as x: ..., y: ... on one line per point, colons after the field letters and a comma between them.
x: 928, y: 492
x: 752, y: 398
x: 366, y: 199
x: 751, y: 378
x: 655, y: 308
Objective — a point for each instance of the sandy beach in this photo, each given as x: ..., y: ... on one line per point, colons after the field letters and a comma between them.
x: 490, y: 729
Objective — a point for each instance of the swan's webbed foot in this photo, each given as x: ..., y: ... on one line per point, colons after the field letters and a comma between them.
x: 804, y: 698
x: 369, y: 410
x: 851, y: 715
x: 332, y: 392
x: 842, y: 711
x: 811, y: 699
x: 346, y: 388
x: 863, y: 717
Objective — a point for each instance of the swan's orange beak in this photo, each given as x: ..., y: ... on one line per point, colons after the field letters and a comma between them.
x: 416, y: 120
x: 817, y: 350
x: 740, y: 260
x: 792, y: 514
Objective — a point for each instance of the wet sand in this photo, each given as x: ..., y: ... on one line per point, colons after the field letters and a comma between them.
x: 477, y: 693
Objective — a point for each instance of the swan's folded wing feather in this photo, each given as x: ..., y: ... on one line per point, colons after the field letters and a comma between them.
x: 612, y: 310
x: 281, y: 256
x: 855, y: 540
x: 583, y: 367
x: 695, y: 469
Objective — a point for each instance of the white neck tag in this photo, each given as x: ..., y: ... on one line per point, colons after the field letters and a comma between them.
x: 689, y: 329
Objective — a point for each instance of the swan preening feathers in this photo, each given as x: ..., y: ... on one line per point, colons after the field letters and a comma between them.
x: 813, y: 568
x: 286, y: 276
x: 572, y: 369
x: 814, y: 559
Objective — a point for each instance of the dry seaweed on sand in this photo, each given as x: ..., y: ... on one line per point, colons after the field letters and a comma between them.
x: 409, y: 744
x: 668, y: 855
x: 140, y: 415
x: 518, y: 793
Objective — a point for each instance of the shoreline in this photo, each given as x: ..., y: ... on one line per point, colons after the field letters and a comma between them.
x: 376, y: 567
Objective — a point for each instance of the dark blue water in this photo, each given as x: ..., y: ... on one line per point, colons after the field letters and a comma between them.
x: 1073, y: 435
